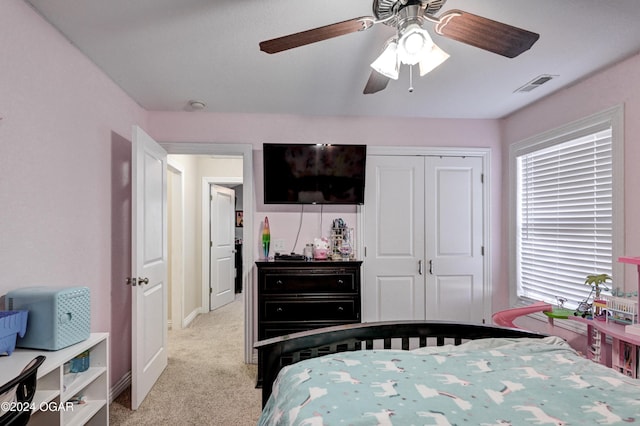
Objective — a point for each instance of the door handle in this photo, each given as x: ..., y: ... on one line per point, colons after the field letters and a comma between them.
x: 137, y: 281
x: 430, y: 266
x: 420, y: 267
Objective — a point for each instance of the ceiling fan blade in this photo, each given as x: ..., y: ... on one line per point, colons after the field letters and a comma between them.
x: 317, y: 34
x: 486, y: 34
x: 376, y: 83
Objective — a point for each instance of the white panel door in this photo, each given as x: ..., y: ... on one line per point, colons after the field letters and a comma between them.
x: 149, y: 275
x: 394, y: 239
x: 222, y: 252
x: 423, y: 237
x: 454, y: 223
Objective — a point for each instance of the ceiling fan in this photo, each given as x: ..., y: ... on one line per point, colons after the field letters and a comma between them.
x: 412, y: 44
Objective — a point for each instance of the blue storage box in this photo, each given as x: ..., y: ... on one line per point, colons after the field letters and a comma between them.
x: 58, y: 317
x: 12, y: 324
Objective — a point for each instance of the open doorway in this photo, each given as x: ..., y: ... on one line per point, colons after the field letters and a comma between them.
x: 223, y: 242
x: 207, y: 205
x: 197, y: 178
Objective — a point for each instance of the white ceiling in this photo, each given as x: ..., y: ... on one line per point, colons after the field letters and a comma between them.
x: 164, y: 53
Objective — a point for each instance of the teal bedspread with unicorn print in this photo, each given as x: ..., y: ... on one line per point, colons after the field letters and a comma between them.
x: 482, y: 382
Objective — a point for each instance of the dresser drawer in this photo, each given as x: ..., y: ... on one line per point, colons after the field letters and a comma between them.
x: 318, y: 282
x: 310, y: 310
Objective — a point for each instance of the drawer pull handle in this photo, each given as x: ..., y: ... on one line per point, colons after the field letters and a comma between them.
x: 279, y: 309
x: 340, y: 309
x: 340, y: 282
x: 279, y: 282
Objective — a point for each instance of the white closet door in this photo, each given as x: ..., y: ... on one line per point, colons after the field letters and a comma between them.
x: 423, y: 237
x: 394, y: 239
x: 455, y: 239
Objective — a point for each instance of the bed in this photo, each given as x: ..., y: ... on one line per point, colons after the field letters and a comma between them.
x: 437, y: 373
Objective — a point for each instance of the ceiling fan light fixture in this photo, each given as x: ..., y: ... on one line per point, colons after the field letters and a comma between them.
x: 387, y: 63
x: 432, y: 59
x: 413, y: 44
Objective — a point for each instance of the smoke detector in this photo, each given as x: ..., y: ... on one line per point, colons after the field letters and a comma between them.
x: 197, y: 105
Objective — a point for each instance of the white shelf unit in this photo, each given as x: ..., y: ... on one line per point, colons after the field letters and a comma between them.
x: 55, y: 389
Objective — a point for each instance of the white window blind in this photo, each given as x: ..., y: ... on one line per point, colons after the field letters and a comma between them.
x: 564, y: 217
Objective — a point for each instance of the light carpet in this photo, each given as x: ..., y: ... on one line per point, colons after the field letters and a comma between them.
x: 206, y: 381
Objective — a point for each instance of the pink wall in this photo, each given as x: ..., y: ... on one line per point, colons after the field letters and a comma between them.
x: 381, y: 131
x: 258, y: 128
x: 614, y: 86
x: 65, y: 160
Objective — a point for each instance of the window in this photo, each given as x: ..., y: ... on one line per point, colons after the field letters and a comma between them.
x: 566, y: 213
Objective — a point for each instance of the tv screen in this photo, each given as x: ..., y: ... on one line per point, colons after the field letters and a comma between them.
x: 314, y: 173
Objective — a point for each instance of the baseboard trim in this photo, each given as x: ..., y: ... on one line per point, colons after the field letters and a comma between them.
x: 189, y: 319
x: 120, y: 386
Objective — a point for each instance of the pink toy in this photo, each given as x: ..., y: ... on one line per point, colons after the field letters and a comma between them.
x: 505, y: 318
x: 320, y: 248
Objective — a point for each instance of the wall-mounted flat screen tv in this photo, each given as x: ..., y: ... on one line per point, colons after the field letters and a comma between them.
x: 314, y: 173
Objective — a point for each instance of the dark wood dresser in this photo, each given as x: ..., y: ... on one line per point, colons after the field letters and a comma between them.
x: 302, y: 295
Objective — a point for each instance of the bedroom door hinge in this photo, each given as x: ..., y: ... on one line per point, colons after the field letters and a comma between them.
x: 481, y: 177
x: 482, y: 251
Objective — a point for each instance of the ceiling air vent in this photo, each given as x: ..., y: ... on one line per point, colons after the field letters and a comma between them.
x: 535, y: 83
